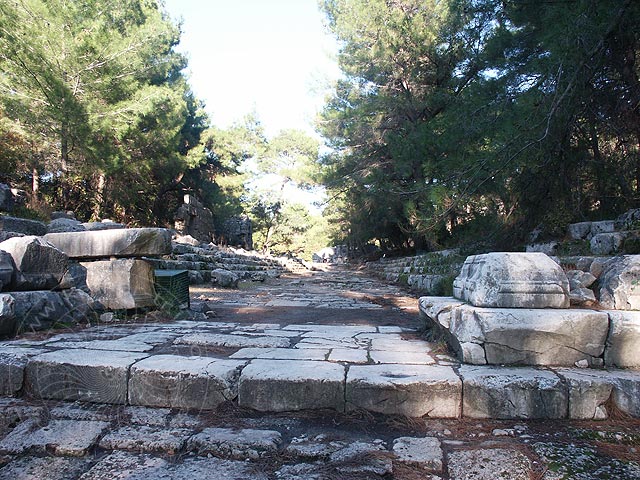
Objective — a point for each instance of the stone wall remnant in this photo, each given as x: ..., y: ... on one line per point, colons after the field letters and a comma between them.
x: 238, y: 232
x: 39, y: 264
x: 193, y: 218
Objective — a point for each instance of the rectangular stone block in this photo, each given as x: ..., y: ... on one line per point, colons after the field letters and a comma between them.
x: 411, y: 390
x: 286, y: 385
x: 121, y: 284
x: 623, y: 343
x: 12, y: 365
x: 512, y: 393
x: 124, y: 242
x: 184, y: 382
x: 85, y: 375
x: 589, y: 391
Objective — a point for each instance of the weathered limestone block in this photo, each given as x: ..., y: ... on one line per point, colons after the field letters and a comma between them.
x: 184, y: 382
x: 583, y: 297
x: 603, y: 226
x: 283, y: 385
x: 628, y: 220
x: 489, y: 464
x: 242, y: 444
x: 224, y: 278
x: 437, y: 310
x: 422, y: 452
x: 580, y: 279
x: 12, y: 364
x: 512, y: 280
x: 39, y: 264
x: 619, y: 285
x: 510, y: 393
x: 623, y: 342
x: 589, y: 391
x: 626, y: 391
x: 607, y: 243
x: 123, y: 242
x: 40, y: 310
x: 193, y: 218
x: 6, y: 198
x: 121, y: 284
x: 103, y: 225
x: 411, y: 390
x: 238, y: 231
x: 85, y: 375
x: 549, y: 248
x: 7, y: 315
x: 22, y: 225
x: 579, y: 231
x: 7, y: 269
x: 62, y: 225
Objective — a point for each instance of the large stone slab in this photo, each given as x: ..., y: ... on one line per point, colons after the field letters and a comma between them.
x: 512, y: 280
x: 518, y: 336
x: 41, y: 310
x: 121, y: 284
x: 489, y: 464
x: 183, y: 382
x: 22, y: 225
x: 51, y: 468
x: 623, y: 341
x: 12, y: 365
x: 142, y: 438
x: 510, y: 393
x: 619, y: 283
x: 411, y: 390
x: 39, y: 264
x: 230, y: 340
x: 86, y: 375
x: 286, y: 385
x: 241, y: 444
x: 124, y: 242
x: 423, y: 452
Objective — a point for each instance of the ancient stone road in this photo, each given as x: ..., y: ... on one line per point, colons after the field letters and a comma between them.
x: 290, y: 379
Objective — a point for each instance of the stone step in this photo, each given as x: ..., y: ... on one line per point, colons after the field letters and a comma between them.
x: 200, y: 382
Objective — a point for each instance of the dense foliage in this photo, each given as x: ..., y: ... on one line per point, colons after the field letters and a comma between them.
x: 466, y: 120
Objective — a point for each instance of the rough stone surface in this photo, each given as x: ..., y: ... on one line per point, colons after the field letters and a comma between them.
x: 282, y: 385
x: 141, y: 438
x: 580, y: 279
x: 63, y: 225
x: 579, y: 231
x: 423, y: 452
x: 62, y: 437
x: 124, y: 242
x: 237, y: 444
x: 623, y: 342
x: 6, y: 198
x: 626, y: 391
x: 128, y: 466
x: 362, y: 458
x: 103, y: 225
x: 512, y: 280
x: 628, y: 220
x: 224, y: 278
x: 589, y: 391
x: 39, y: 468
x: 12, y: 364
x: 226, y: 340
x: 238, y: 231
x: 183, y: 382
x: 40, y: 310
x: 503, y: 393
x: 193, y: 218
x: 121, y: 284
x: 583, y: 297
x: 607, y: 243
x: 7, y: 315
x: 22, y: 225
x: 619, y: 283
x: 39, y: 264
x: 489, y: 464
x: 411, y: 390
x: 549, y: 248
x: 86, y: 375
x: 7, y: 269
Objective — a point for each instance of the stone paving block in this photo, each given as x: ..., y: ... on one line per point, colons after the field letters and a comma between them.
x: 130, y: 242
x: 87, y: 375
x: 411, y: 390
x: 401, y: 357
x: 626, y: 391
x: 423, y: 452
x: 121, y: 344
x: 239, y: 444
x: 347, y: 330
x: 362, y: 458
x: 329, y: 344
x: 145, y: 439
x: 393, y: 345
x: 488, y: 464
x: 313, y: 448
x: 183, y: 382
x: 589, y: 391
x: 283, y: 385
x: 61, y: 437
x: 39, y: 468
x: 224, y: 340
x: 623, y: 342
x: 153, y: 417
x: 510, y: 393
x: 282, y: 353
x: 12, y: 365
x: 121, y: 465
x: 349, y: 355
x: 212, y: 468
x: 75, y: 411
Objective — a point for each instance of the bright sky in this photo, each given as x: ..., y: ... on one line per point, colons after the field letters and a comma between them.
x: 268, y: 56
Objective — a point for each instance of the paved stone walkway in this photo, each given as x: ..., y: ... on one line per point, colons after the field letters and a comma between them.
x: 317, y: 376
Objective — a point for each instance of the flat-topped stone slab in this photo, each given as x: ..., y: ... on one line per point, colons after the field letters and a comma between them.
x: 184, y: 382
x: 13, y: 362
x: 86, y: 375
x: 283, y: 353
x: 518, y: 336
x: 287, y: 385
x: 510, y: 393
x: 623, y: 341
x: 229, y: 340
x: 512, y: 280
x: 124, y: 242
x: 411, y: 390
x: 238, y: 444
x: 619, y: 283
